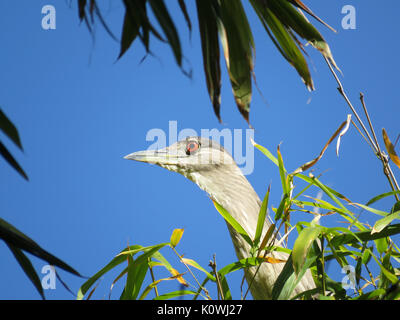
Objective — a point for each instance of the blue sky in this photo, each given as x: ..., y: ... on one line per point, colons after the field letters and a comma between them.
x: 78, y: 112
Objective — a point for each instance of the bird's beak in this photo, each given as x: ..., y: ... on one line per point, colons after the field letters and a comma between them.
x: 151, y: 156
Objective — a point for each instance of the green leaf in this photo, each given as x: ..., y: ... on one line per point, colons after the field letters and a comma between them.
x: 135, y: 249
x: 288, y: 280
x: 235, y: 225
x: 381, y: 196
x: 237, y: 42
x: 382, y: 223
x: 355, y: 237
x: 137, y: 270
x: 130, y: 31
x: 376, y: 211
x: 373, y: 295
x: 381, y: 245
x: 176, y: 237
x: 282, y: 173
x: 284, y: 41
x: 111, y: 265
x: 294, y: 20
x: 241, y: 264
x: 17, y: 239
x: 26, y: 265
x: 9, y: 129
x: 174, y: 294
x: 261, y: 217
x: 266, y: 152
x: 194, y: 264
x: 11, y: 161
x: 183, y: 8
x: 208, y: 27
x: 302, y: 246
x: 164, y: 19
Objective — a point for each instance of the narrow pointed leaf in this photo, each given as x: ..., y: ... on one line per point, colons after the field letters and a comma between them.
x: 194, y: 264
x: 11, y: 161
x: 288, y: 280
x: 130, y: 31
x: 261, y: 217
x: 302, y: 246
x: 382, y: 223
x: 390, y: 148
x: 207, y: 17
x: 235, y: 225
x: 16, y: 238
x: 174, y: 294
x: 137, y: 270
x: 302, y: 6
x: 164, y: 19
x: 9, y: 129
x: 296, y: 21
x: 381, y: 196
x: 27, y: 266
x: 284, y: 41
x: 237, y: 42
x: 349, y: 238
x: 183, y: 8
x: 111, y: 265
x: 176, y: 237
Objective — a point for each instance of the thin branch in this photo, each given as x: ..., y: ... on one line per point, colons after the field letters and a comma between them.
x: 373, y: 142
x: 190, y: 271
x: 213, y: 265
x: 153, y: 278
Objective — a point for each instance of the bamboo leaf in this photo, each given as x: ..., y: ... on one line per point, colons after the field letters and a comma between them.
x: 9, y: 129
x: 207, y: 17
x: 390, y: 148
x: 130, y: 31
x: 174, y: 294
x: 235, y: 225
x: 261, y: 217
x: 302, y: 246
x: 351, y: 238
x: 382, y: 223
x: 17, y: 239
x: 237, y: 42
x: 137, y: 270
x: 309, y: 164
x: 11, y: 161
x: 194, y: 264
x: 27, y: 266
x: 117, y: 260
x: 288, y: 280
x: 296, y: 21
x: 284, y: 41
x: 183, y: 8
x: 161, y: 13
x: 381, y: 196
x: 176, y: 237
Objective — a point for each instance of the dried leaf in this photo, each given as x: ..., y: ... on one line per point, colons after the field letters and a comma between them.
x: 342, y: 133
x: 272, y: 260
x: 390, y: 148
x: 309, y: 164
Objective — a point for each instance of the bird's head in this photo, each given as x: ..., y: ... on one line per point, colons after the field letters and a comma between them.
x: 193, y: 155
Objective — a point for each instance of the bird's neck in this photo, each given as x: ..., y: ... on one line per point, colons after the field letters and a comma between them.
x: 230, y: 188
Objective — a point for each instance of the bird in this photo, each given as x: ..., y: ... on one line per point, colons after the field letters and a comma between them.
x: 213, y: 169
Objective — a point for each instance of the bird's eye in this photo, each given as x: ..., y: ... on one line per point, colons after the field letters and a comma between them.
x: 191, y: 147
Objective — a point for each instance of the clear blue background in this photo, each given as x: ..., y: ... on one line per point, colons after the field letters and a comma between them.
x: 78, y: 113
